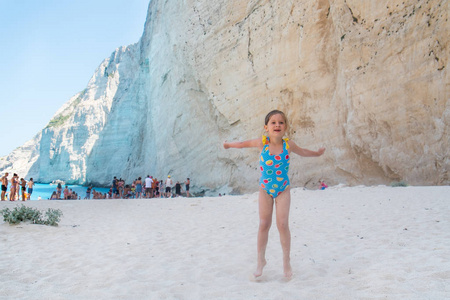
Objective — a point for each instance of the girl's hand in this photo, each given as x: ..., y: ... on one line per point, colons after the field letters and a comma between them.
x: 321, y: 151
x: 226, y: 145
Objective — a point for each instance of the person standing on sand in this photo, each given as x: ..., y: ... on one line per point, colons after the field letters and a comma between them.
x: 148, y: 186
x: 58, y: 190
x: 30, y: 188
x: 88, y: 193
x: 169, y: 184
x: 187, y: 183
x: 274, y: 184
x: 66, y: 193
x: 114, y: 187
x: 138, y: 188
x: 154, y: 184
x: 4, y: 186
x: 121, y: 186
x: 23, y: 185
x: 178, y: 189
x: 13, y: 190
x: 161, y: 189
x: 156, y: 181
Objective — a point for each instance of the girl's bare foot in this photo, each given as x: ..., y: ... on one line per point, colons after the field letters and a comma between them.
x: 259, y: 268
x: 287, y: 270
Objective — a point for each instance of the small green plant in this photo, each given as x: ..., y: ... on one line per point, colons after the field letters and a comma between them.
x: 53, y: 217
x: 24, y: 213
x: 58, y: 121
x: 399, y: 183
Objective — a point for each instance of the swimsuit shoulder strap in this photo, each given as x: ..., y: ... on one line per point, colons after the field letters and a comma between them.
x: 286, y: 142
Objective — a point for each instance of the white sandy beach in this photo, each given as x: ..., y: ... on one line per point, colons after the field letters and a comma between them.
x: 347, y: 243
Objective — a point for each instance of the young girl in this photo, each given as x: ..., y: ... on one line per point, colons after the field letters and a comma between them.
x: 274, y: 184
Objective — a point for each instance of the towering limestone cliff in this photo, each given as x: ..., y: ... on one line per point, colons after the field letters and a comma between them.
x: 368, y: 80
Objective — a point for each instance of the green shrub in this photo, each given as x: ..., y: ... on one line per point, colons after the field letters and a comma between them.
x: 398, y: 183
x: 58, y: 121
x: 24, y: 213
x: 53, y: 217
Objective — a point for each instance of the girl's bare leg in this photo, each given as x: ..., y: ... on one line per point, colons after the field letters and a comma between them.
x: 265, y: 221
x: 283, y: 203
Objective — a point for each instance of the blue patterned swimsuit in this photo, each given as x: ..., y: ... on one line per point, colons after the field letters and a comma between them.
x: 274, y: 169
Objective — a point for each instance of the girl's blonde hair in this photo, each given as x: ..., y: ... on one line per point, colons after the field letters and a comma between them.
x: 276, y: 112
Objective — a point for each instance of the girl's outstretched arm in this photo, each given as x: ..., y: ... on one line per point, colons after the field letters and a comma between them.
x: 304, y: 152
x: 256, y: 143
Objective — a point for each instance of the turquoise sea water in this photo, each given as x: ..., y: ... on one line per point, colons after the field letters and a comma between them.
x: 45, y: 190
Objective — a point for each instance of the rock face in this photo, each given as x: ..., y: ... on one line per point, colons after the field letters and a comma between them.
x: 365, y: 79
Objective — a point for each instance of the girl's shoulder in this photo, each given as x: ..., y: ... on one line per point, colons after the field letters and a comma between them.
x: 291, y: 145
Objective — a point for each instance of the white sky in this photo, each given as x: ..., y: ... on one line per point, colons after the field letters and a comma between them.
x: 49, y: 49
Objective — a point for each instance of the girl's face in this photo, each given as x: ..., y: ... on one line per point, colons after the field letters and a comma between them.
x: 276, y: 126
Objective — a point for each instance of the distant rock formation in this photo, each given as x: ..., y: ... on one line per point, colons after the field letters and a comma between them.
x: 366, y: 79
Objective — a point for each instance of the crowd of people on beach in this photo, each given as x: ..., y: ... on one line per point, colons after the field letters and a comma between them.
x: 150, y: 187
x: 145, y: 188
x: 68, y: 194
x: 142, y: 188
x: 18, y: 188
